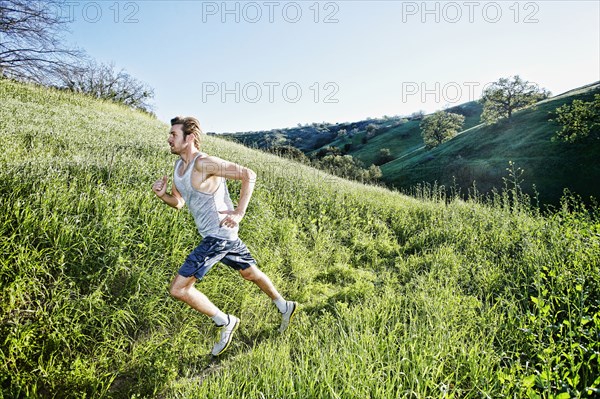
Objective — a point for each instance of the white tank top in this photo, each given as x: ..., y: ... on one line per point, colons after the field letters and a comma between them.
x: 205, y: 207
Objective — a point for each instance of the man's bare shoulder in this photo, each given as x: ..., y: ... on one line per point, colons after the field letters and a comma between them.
x: 209, y: 163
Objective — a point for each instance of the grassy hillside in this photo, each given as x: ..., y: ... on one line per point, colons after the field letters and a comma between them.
x: 401, y: 297
x: 482, y: 154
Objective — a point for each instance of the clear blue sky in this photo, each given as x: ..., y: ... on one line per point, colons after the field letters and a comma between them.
x: 245, y: 66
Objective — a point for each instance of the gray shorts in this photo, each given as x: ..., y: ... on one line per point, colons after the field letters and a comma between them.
x: 211, y: 250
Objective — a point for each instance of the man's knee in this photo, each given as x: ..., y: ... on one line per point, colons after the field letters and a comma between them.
x: 251, y: 274
x: 178, y: 290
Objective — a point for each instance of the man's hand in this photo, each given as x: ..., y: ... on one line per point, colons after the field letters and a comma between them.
x: 232, y: 219
x: 160, y: 187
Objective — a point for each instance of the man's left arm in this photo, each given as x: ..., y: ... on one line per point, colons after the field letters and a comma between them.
x: 219, y: 167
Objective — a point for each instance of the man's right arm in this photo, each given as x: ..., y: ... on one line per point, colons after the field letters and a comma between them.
x: 174, y: 199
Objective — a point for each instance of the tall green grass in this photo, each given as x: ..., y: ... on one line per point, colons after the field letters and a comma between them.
x: 401, y: 297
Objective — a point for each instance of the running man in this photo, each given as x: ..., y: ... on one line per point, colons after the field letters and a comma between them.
x: 200, y: 182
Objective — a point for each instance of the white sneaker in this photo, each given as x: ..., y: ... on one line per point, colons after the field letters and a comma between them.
x: 286, y: 316
x: 226, y: 335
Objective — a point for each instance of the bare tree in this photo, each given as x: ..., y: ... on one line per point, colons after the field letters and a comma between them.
x: 103, y: 81
x: 32, y: 48
x: 31, y: 42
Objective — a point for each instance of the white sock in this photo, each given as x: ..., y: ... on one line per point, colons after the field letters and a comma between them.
x: 220, y: 319
x: 281, y: 304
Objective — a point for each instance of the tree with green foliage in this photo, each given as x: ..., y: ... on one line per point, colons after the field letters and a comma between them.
x: 342, y: 133
x: 384, y: 156
x: 579, y: 120
x: 417, y: 116
x: 371, y: 130
x: 289, y: 152
x: 440, y: 127
x: 348, y: 167
x: 502, y: 98
x: 329, y: 150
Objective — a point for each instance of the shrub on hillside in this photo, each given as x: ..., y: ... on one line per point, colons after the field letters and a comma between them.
x: 348, y: 167
x: 289, y: 152
x: 331, y: 150
x: 384, y: 156
x: 580, y: 120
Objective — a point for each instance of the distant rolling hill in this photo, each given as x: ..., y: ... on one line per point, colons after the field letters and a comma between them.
x: 482, y: 154
x: 307, y: 137
x: 400, y: 134
x: 400, y: 138
x: 479, y: 155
